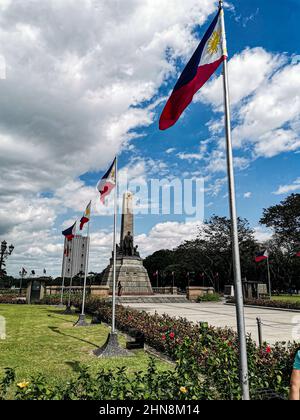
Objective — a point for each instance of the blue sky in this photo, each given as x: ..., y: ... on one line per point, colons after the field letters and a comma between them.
x: 76, y: 93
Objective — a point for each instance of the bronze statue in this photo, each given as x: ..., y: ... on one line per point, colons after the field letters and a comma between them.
x: 136, y: 252
x: 128, y: 249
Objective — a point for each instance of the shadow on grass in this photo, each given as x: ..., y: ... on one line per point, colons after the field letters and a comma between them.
x: 61, y: 312
x: 75, y: 365
x: 58, y: 331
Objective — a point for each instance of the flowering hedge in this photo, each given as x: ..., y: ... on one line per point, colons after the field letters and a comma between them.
x: 214, y: 350
x: 280, y: 304
x: 12, y: 298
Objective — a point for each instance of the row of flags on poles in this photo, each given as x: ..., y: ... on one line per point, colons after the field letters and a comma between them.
x: 105, y: 186
x: 264, y: 255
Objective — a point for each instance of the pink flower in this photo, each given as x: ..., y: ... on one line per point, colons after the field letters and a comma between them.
x: 163, y: 337
x: 172, y: 335
x: 268, y: 349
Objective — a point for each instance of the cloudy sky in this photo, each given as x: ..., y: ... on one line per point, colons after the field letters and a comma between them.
x: 83, y: 80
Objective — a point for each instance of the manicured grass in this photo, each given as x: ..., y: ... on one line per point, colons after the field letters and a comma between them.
x: 287, y: 298
x: 40, y: 339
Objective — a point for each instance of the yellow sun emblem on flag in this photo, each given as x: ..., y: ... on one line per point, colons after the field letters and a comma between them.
x: 214, y: 42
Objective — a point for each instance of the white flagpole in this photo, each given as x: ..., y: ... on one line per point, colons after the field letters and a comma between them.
x: 234, y: 227
x: 63, y: 274
x: 71, y: 281
x: 113, y: 326
x: 269, y: 277
x: 86, y: 268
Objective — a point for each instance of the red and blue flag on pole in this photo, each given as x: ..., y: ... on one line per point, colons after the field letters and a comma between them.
x: 70, y: 232
x: 108, y: 182
x: 211, y: 52
x: 86, y: 217
x: 261, y: 256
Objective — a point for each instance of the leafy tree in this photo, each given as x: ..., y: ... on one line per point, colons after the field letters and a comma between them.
x: 284, y: 219
x: 159, y: 261
x: 211, y: 252
x: 207, y: 259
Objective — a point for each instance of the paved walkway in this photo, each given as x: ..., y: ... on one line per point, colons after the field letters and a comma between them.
x: 278, y: 325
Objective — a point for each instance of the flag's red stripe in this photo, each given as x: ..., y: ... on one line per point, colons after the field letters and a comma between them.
x: 83, y: 221
x: 182, y: 97
x: 106, y: 190
x: 261, y: 258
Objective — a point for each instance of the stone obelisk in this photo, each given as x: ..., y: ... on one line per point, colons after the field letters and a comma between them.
x: 131, y: 276
x: 127, y: 216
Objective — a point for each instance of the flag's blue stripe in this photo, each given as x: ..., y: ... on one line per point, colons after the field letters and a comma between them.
x: 191, y: 68
x: 109, y: 171
x: 68, y: 231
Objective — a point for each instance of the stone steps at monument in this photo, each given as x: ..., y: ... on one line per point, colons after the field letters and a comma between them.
x: 123, y: 300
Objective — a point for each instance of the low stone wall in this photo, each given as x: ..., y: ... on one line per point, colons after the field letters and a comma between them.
x: 193, y: 292
x: 165, y: 290
x: 99, y: 291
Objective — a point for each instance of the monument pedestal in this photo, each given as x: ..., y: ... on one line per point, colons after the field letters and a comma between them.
x: 132, y: 275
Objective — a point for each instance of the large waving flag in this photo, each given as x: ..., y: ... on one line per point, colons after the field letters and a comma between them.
x: 261, y: 256
x: 86, y: 217
x: 70, y: 232
x: 108, y: 182
x: 210, y: 53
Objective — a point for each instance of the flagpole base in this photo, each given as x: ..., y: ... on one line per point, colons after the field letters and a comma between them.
x: 68, y: 310
x: 112, y: 348
x: 81, y: 322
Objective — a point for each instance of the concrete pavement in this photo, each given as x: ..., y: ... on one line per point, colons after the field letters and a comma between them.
x: 277, y: 325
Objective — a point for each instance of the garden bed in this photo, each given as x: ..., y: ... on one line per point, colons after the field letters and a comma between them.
x: 273, y: 304
x: 214, y: 351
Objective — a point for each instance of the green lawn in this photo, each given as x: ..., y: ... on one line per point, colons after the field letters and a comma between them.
x: 40, y: 339
x: 287, y: 298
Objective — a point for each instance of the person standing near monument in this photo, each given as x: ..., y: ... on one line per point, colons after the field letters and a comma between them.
x: 120, y: 287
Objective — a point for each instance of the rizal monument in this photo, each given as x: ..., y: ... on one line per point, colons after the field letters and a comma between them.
x: 131, y: 275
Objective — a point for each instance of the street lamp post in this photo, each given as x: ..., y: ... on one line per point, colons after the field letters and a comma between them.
x: 4, y: 253
x: 22, y: 273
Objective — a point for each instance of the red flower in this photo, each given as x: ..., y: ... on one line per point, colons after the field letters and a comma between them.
x: 268, y: 349
x: 163, y: 337
x: 172, y: 335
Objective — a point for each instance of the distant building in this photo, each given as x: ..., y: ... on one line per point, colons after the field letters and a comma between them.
x: 75, y: 252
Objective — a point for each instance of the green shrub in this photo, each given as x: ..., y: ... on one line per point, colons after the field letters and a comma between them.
x: 214, y: 297
x: 214, y: 350
x: 183, y: 383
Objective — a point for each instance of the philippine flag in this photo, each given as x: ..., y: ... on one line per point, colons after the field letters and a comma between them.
x: 70, y: 232
x: 86, y: 217
x: 108, y: 182
x: 211, y: 52
x: 261, y: 256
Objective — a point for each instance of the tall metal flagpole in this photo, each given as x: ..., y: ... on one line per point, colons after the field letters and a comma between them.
x: 234, y: 227
x: 68, y: 308
x: 112, y: 348
x: 269, y: 277
x: 113, y: 323
x: 81, y: 320
x: 63, y: 275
